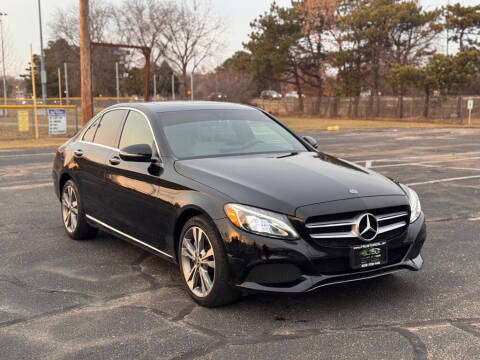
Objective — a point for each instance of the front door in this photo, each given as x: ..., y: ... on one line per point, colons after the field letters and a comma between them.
x: 135, y: 189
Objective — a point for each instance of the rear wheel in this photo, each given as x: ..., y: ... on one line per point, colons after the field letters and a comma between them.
x: 203, y: 264
x: 73, y: 215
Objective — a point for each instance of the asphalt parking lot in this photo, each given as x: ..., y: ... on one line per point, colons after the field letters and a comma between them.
x: 106, y: 299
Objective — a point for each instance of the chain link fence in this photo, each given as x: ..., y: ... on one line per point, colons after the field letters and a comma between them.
x: 439, y: 109
x: 17, y: 122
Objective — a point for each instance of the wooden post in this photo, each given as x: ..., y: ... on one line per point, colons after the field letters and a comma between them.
x: 117, y: 82
x: 191, y: 87
x: 34, y: 93
x: 146, y: 52
x: 154, y: 87
x: 60, y: 86
x: 85, y: 63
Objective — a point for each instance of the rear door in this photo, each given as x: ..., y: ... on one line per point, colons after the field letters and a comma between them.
x: 91, y: 153
x: 135, y: 188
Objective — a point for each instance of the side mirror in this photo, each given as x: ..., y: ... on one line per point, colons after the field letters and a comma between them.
x: 311, y: 141
x: 137, y: 152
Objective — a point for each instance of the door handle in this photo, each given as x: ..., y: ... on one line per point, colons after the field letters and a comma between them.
x: 115, y: 160
x: 78, y: 153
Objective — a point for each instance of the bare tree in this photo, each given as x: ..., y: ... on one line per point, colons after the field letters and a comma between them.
x: 66, y: 22
x: 143, y: 22
x: 191, y: 36
x: 11, y: 58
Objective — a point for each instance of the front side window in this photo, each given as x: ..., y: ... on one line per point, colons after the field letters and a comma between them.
x: 202, y: 133
x: 109, y: 127
x: 136, y: 131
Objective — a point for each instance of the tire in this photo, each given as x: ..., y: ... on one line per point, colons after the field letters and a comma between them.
x: 209, y: 284
x: 73, y: 214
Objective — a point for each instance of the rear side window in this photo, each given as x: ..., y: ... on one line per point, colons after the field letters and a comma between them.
x: 136, y: 131
x: 90, y: 133
x: 109, y: 127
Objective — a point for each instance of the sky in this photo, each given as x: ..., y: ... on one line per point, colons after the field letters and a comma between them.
x: 21, y: 25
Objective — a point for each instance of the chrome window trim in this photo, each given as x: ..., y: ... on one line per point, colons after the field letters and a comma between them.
x: 90, y: 123
x: 103, y: 112
x: 128, y: 236
x: 101, y: 145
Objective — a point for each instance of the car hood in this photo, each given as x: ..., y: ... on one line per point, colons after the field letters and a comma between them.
x: 284, y: 182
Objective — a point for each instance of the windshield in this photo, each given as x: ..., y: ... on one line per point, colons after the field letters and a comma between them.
x: 201, y: 133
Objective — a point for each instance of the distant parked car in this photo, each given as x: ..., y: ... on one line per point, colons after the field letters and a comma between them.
x: 293, y: 95
x: 270, y: 95
x: 217, y: 96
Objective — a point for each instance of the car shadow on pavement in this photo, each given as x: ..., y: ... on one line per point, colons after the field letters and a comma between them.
x: 390, y: 294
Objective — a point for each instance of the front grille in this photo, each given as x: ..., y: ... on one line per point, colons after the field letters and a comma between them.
x: 338, y: 229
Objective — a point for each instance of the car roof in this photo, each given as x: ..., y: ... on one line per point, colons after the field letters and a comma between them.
x: 166, y: 106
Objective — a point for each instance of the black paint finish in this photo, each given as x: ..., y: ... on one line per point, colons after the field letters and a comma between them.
x: 148, y: 202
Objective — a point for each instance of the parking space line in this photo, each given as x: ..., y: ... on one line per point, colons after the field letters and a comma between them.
x: 29, y: 154
x: 25, y: 187
x: 424, y: 162
x: 445, y: 180
x: 448, y: 167
x: 410, y: 158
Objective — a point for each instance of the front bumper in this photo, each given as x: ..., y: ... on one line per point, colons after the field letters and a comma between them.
x: 260, y: 263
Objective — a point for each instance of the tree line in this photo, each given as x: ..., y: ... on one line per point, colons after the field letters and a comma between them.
x: 356, y: 48
x: 334, y: 48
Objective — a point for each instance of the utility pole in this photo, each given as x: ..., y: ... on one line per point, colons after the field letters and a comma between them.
x: 2, y: 14
x: 34, y: 93
x: 85, y: 63
x: 173, y: 86
x: 191, y: 87
x: 65, y: 70
x: 43, y: 73
x: 117, y: 81
x: 154, y: 87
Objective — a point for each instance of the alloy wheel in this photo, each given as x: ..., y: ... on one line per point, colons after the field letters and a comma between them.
x: 70, y: 208
x: 198, y: 261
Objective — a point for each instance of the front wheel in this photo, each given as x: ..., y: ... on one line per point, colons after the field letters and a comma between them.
x: 203, y: 264
x: 73, y: 214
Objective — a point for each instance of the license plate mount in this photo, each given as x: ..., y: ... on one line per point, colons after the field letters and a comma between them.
x: 368, y: 255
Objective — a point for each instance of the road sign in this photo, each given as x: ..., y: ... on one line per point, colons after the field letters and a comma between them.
x: 470, y: 104
x: 23, y: 120
x: 470, y: 108
x: 57, y: 121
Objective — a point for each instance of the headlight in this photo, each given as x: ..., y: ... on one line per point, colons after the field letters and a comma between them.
x: 415, y: 207
x: 260, y: 221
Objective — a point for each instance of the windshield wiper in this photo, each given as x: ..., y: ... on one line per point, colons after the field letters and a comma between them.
x: 287, y: 155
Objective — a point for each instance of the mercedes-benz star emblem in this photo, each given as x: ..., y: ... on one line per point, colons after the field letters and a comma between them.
x: 366, y: 227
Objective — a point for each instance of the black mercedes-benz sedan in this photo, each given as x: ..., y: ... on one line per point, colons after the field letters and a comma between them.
x: 235, y: 198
